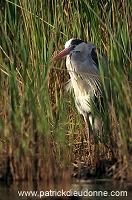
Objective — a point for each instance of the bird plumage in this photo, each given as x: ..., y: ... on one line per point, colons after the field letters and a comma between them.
x: 83, y: 66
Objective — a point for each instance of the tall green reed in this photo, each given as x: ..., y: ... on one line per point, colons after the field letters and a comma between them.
x: 36, y: 112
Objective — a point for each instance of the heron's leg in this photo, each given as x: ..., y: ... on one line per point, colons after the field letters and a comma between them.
x: 98, y: 126
x: 86, y: 118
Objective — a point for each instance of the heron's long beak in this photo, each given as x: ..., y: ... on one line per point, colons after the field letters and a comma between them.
x: 62, y: 54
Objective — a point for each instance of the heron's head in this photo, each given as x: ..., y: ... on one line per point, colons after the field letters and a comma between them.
x: 74, y: 45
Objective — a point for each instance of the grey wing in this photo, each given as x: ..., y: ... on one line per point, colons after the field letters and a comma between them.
x: 89, y: 76
x: 90, y: 72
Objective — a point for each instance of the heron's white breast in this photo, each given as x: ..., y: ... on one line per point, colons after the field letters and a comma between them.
x: 82, y: 93
x: 82, y: 96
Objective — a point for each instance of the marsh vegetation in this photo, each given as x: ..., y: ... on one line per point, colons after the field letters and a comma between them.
x: 42, y: 136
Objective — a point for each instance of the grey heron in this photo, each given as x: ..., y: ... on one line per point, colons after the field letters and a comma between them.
x: 84, y: 70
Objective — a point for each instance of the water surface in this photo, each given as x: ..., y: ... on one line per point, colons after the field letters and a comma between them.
x: 95, y: 190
